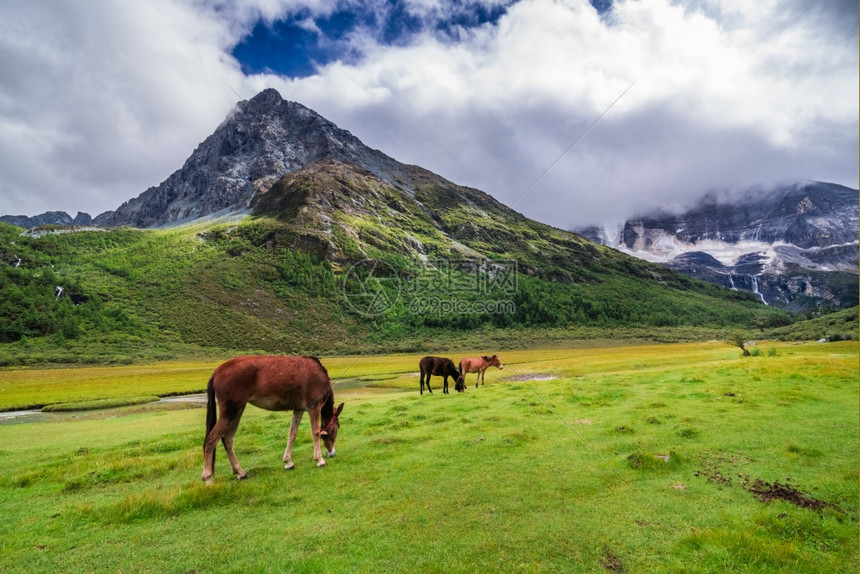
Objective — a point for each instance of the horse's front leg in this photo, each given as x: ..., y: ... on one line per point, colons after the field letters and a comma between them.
x: 445, y: 385
x: 316, y: 427
x: 294, y: 430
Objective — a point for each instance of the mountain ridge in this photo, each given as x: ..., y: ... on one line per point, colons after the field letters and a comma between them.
x: 279, y: 158
x: 270, y: 156
x: 793, y: 246
x: 47, y: 218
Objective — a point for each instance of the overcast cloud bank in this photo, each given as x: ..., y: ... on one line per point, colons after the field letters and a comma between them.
x: 100, y: 100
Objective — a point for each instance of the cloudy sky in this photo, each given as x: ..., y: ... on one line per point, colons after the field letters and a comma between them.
x: 100, y: 99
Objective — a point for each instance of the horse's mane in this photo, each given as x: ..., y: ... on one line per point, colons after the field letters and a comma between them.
x: 327, y: 410
x: 318, y: 363
x: 328, y: 406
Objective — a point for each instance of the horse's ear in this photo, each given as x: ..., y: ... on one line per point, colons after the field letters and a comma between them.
x: 339, y: 409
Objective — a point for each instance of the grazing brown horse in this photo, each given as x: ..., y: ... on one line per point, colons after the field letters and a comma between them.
x: 479, y: 366
x: 440, y: 367
x: 274, y: 383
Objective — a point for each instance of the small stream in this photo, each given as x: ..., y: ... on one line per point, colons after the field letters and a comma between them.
x: 345, y: 385
x: 32, y: 416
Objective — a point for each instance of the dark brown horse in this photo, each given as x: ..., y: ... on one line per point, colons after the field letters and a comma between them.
x: 440, y: 367
x: 479, y: 366
x: 274, y: 383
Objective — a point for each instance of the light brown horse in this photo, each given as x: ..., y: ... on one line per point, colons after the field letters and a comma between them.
x: 274, y: 383
x: 478, y: 365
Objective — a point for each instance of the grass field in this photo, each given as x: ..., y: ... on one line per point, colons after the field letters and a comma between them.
x: 662, y: 458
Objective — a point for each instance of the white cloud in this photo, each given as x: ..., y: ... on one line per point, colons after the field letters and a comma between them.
x: 100, y: 100
x: 714, y: 107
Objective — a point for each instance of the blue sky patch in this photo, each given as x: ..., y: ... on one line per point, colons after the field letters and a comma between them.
x: 602, y: 6
x: 293, y: 48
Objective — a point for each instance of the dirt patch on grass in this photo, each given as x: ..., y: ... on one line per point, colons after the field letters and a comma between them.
x: 766, y: 492
x: 713, y: 463
x: 763, y: 491
x: 611, y: 562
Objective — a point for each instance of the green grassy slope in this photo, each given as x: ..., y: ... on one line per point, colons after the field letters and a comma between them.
x: 838, y: 326
x: 282, y: 282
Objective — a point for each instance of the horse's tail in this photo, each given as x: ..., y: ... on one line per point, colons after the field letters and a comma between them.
x: 211, y: 412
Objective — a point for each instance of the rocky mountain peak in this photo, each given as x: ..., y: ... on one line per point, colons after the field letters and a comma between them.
x: 268, y: 97
x: 261, y: 140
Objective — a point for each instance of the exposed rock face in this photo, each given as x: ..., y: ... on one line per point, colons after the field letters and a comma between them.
x: 278, y: 158
x: 793, y: 247
x: 260, y: 141
x: 806, y: 215
x: 47, y: 218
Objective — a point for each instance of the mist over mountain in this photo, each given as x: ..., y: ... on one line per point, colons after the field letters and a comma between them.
x: 793, y: 246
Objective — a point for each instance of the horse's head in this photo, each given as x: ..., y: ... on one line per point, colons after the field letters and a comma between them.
x: 493, y: 361
x: 456, y: 372
x: 329, y: 433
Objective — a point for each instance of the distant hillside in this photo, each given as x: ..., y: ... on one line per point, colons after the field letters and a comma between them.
x: 218, y: 288
x: 284, y: 233
x: 838, y: 326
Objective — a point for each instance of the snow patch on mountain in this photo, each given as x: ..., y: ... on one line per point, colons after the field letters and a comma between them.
x: 779, y: 244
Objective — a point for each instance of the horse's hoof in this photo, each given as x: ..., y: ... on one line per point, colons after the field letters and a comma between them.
x: 243, y: 476
x: 321, y: 464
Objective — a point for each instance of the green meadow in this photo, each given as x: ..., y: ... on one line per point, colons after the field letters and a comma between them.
x: 652, y: 458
